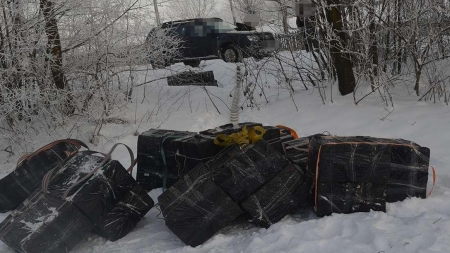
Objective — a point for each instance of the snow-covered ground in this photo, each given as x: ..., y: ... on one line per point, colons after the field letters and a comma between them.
x: 414, y: 225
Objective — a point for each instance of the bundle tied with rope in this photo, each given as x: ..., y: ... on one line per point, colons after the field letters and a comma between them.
x: 208, y: 197
x: 89, y: 191
x: 362, y: 173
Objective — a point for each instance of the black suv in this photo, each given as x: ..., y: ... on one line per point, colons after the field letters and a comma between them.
x: 211, y: 38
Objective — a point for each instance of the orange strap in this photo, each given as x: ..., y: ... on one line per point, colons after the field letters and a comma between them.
x: 78, y: 144
x: 292, y: 131
x: 434, y: 180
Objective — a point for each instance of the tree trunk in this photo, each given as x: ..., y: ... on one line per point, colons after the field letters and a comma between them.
x: 387, y: 44
x: 3, y: 63
x: 54, y: 43
x: 232, y: 11
x: 399, y: 45
x: 284, y: 17
x: 417, y: 84
x: 158, y: 19
x: 373, y: 47
x: 341, y: 59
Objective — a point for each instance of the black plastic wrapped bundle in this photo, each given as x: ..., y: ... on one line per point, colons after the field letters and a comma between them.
x: 192, y: 78
x: 195, y: 208
x: 117, y: 198
x: 297, y: 151
x: 272, y: 133
x: 247, y: 169
x: 27, y: 177
x: 156, y: 158
x: 409, y: 173
x: 409, y: 164
x: 98, y: 196
x: 351, y: 178
x: 318, y: 140
x: 108, y: 195
x: 93, y: 190
x: 350, y: 198
x: 281, y: 196
x: 124, y: 217
x: 45, y: 224
x: 193, y: 150
x: 277, y: 143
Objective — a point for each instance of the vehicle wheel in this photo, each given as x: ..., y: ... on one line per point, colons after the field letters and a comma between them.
x: 192, y: 63
x: 232, y: 53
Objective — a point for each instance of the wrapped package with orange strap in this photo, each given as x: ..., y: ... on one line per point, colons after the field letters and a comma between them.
x: 354, y: 174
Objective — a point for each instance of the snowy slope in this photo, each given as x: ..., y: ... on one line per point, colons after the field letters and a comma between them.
x: 414, y: 225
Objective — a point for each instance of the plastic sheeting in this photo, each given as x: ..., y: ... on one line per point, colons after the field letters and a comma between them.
x: 297, y: 151
x: 193, y: 150
x: 192, y: 78
x: 124, y: 217
x: 351, y: 178
x: 102, y: 196
x: 277, y: 143
x: 281, y: 196
x: 27, y: 177
x: 409, y: 173
x: 350, y: 198
x: 156, y: 158
x: 247, y: 169
x: 45, y: 224
x: 195, y: 208
x: 409, y: 164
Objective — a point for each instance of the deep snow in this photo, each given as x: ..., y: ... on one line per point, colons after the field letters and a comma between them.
x: 414, y: 225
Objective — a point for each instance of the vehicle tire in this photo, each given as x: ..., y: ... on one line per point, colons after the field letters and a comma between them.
x: 192, y: 63
x: 232, y: 53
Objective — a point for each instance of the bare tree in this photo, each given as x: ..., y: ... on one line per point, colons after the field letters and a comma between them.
x: 187, y: 9
x: 79, y: 53
x: 54, y: 43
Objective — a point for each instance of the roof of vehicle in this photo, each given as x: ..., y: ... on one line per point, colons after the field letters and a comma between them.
x: 170, y: 23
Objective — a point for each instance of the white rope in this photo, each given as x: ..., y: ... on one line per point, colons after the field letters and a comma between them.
x: 234, y: 115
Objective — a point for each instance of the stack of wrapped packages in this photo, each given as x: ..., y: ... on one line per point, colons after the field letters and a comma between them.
x: 260, y: 174
x: 211, y: 180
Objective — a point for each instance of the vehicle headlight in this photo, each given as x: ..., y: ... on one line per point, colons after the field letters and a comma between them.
x: 252, y: 37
